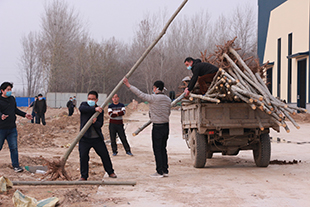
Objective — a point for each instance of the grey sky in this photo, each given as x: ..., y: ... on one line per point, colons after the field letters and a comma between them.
x: 104, y: 19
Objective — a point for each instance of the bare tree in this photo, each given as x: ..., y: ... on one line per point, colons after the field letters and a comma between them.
x: 70, y: 61
x: 31, y: 72
x: 61, y: 31
x: 244, y: 26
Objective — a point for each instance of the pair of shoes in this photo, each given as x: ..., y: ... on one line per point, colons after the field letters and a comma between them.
x: 114, y: 153
x: 129, y: 153
x: 157, y: 175
x: 113, y: 175
x: 166, y: 175
x: 82, y: 179
x: 18, y: 169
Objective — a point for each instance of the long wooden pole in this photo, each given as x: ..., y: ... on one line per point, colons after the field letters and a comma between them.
x: 74, y: 182
x: 89, y: 123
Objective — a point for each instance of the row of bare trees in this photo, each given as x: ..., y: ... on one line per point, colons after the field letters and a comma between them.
x: 62, y: 57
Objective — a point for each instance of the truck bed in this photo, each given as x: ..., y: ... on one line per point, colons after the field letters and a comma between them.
x: 211, y: 116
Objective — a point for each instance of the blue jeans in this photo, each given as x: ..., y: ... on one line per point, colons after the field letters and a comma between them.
x: 11, y: 137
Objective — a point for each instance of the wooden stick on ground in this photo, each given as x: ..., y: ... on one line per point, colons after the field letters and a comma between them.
x: 74, y: 182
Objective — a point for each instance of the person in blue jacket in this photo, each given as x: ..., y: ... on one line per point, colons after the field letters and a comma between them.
x: 33, y: 113
x: 93, y: 137
x: 8, y: 132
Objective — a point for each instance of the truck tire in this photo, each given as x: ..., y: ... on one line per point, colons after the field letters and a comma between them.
x: 262, y: 153
x: 198, y: 149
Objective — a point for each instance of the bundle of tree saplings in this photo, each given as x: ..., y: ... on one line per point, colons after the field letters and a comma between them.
x: 235, y: 81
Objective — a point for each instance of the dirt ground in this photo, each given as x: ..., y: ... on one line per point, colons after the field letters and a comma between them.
x: 225, y: 180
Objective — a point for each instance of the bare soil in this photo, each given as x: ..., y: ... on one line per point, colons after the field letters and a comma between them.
x: 225, y: 180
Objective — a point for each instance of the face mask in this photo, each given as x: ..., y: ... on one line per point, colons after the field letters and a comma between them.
x: 189, y: 67
x: 91, y: 102
x: 40, y: 99
x: 8, y: 93
x: 157, y: 89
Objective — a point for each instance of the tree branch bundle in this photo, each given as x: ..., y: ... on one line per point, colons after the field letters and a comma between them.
x: 237, y: 82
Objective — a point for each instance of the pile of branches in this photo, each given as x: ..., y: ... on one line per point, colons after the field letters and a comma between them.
x: 235, y: 81
x: 217, y: 60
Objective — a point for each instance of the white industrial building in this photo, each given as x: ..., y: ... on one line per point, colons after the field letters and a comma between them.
x: 283, y: 40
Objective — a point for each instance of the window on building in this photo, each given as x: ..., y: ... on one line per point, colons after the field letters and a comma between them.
x: 289, y: 68
x: 269, y: 80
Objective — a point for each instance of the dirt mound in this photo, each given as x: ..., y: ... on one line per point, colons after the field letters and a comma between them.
x: 302, y: 117
x: 60, y: 129
x: 143, y: 107
x: 130, y: 108
x: 37, y: 135
x: 73, y: 196
x: 31, y: 161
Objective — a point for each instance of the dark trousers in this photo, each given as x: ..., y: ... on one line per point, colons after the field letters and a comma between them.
x: 100, y: 148
x: 71, y: 110
x: 160, y: 133
x: 39, y: 118
x: 205, y: 81
x: 119, y: 129
x: 33, y: 117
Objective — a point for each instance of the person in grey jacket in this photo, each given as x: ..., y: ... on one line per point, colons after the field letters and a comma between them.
x: 160, y: 106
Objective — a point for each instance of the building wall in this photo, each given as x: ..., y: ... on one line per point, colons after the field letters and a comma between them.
x: 58, y: 100
x: 264, y: 8
x: 290, y: 17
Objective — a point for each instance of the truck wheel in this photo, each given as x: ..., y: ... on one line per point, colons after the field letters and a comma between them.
x: 209, y: 155
x: 262, y: 152
x: 198, y: 146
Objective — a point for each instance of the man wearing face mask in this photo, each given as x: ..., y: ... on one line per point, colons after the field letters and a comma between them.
x: 203, y: 72
x: 93, y: 137
x: 8, y: 132
x: 40, y: 109
x: 160, y: 106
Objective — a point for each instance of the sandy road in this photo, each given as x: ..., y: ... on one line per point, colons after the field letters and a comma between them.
x: 225, y: 181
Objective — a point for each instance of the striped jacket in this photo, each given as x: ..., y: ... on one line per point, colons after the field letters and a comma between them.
x: 120, y: 109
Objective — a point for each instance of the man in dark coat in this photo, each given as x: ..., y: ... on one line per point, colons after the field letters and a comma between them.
x: 203, y: 72
x: 93, y: 137
x: 8, y: 132
x: 70, y: 107
x: 40, y: 109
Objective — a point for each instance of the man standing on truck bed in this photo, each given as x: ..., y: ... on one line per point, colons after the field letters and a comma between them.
x: 160, y: 106
x: 203, y: 72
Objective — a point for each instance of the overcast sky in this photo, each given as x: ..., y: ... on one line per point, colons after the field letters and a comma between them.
x: 104, y: 19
